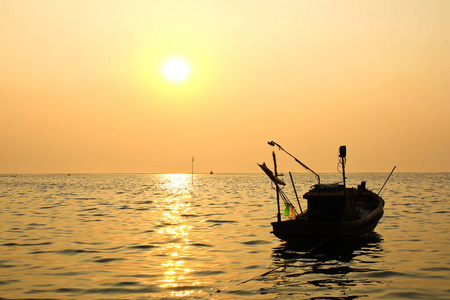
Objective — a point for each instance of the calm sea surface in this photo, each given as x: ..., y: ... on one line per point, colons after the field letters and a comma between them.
x: 166, y: 236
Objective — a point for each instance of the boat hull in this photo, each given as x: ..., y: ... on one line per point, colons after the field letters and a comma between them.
x: 302, y: 228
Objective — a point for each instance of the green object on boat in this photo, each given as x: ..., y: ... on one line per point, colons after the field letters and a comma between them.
x: 286, y: 210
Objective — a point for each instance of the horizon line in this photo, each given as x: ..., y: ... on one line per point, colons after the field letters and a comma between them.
x: 198, y: 173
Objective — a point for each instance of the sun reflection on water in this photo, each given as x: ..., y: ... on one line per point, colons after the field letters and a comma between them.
x: 177, y: 275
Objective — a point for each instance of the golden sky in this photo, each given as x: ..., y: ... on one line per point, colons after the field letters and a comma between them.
x: 82, y: 88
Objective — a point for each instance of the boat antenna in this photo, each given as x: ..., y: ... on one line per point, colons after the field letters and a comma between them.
x: 272, y: 143
x: 387, y: 180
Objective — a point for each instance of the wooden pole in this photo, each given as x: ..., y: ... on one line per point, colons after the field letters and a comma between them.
x: 295, y: 191
x: 277, y: 187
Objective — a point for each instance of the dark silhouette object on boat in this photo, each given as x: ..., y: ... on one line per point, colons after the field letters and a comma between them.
x: 333, y: 209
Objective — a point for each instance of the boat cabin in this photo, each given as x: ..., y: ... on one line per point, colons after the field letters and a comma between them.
x: 330, y: 202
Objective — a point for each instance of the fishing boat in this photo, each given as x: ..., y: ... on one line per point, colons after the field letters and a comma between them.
x: 333, y: 209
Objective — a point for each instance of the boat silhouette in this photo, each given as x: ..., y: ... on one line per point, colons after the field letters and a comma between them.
x: 334, y: 210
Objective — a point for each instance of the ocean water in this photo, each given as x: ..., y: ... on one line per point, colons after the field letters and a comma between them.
x: 147, y: 236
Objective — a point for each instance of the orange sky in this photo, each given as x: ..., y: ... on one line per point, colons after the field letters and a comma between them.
x: 82, y: 90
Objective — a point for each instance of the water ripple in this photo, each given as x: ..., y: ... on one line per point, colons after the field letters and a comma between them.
x: 168, y: 236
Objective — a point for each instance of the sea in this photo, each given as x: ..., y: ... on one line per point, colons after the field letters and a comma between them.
x: 208, y: 236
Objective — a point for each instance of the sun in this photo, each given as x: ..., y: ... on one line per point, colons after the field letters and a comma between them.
x: 176, y: 69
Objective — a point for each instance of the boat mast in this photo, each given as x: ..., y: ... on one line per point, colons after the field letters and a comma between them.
x: 272, y: 143
x: 277, y: 187
x: 342, y: 158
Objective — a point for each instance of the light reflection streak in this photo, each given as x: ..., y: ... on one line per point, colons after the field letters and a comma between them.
x: 177, y: 274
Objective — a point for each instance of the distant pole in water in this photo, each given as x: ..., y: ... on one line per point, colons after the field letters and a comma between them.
x: 192, y: 169
x: 387, y: 180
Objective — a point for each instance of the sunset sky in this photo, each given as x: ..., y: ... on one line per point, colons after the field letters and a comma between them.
x: 82, y: 87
